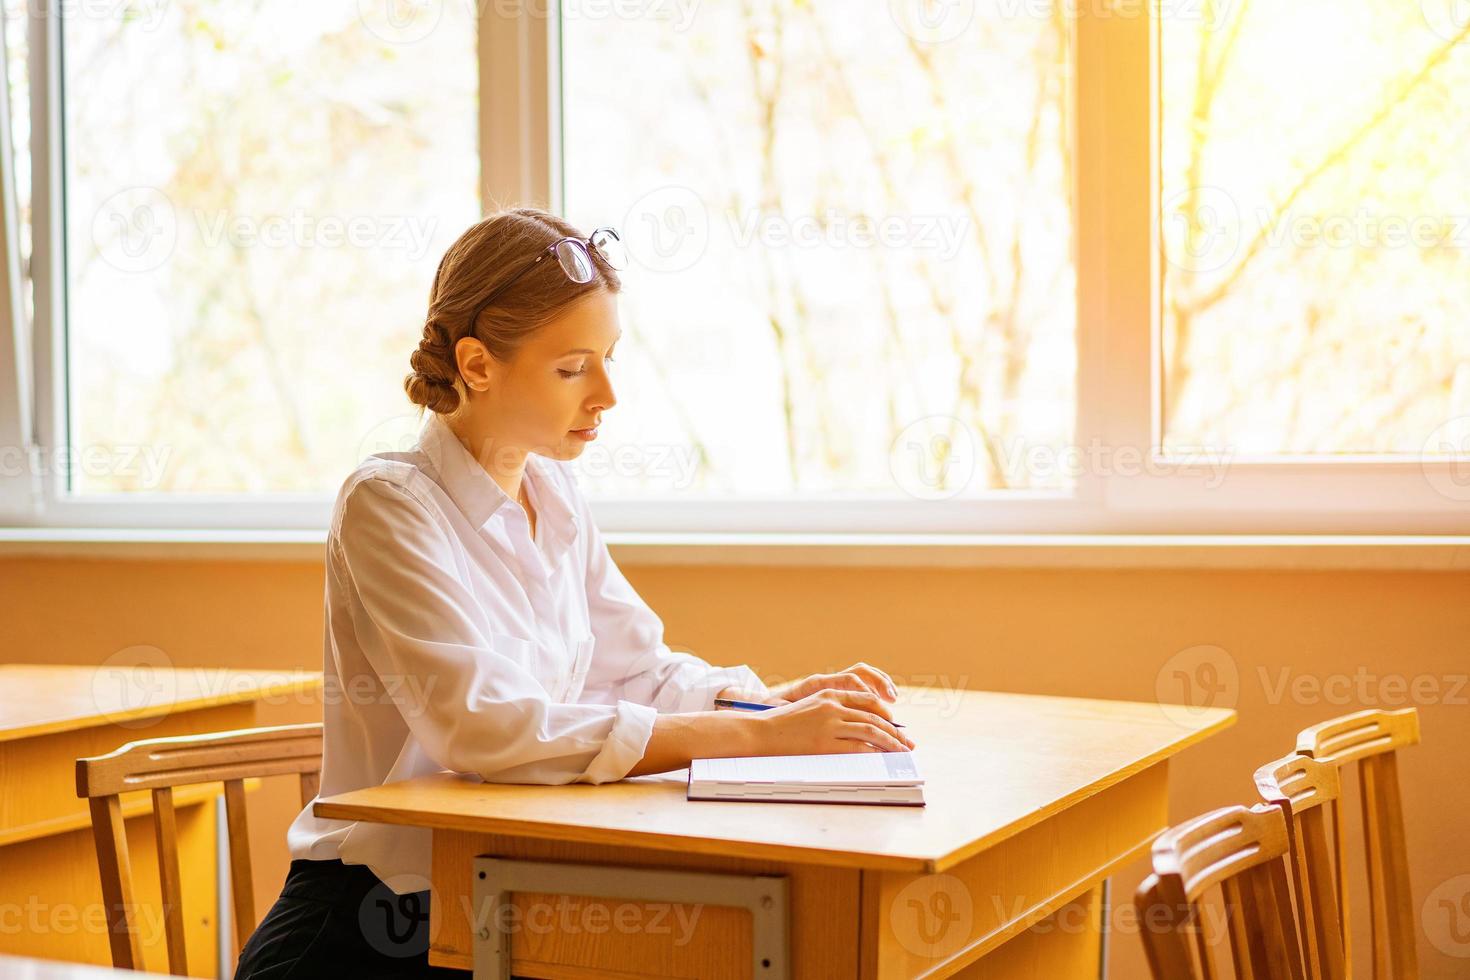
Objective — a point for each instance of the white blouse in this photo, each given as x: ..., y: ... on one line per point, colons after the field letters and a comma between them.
x: 454, y: 641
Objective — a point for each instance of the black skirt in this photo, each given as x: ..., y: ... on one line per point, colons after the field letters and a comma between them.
x: 336, y: 919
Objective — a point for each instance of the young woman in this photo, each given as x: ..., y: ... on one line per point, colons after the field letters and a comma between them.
x: 475, y: 620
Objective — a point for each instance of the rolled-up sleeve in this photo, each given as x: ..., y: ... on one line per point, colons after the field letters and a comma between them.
x: 460, y: 689
x: 631, y: 659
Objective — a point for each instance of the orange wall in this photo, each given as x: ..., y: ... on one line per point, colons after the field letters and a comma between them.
x: 1096, y: 633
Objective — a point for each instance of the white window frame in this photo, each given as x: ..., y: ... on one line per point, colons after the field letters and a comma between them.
x: 1118, y: 282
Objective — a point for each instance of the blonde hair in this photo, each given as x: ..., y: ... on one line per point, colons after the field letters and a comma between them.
x: 487, y: 255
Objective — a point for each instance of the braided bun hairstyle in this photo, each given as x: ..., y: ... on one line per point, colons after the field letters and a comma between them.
x: 492, y: 251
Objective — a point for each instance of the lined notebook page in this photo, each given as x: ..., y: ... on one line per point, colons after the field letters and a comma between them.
x: 866, y: 768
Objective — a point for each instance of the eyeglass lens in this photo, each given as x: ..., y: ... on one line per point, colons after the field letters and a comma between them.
x: 611, y: 247
x: 575, y: 261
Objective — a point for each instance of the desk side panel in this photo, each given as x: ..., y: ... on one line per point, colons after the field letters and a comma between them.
x: 824, y: 915
x: 38, y: 774
x: 935, y: 925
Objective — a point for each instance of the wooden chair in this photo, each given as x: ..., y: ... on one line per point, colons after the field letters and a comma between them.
x: 1304, y: 789
x: 1243, y: 851
x: 1372, y: 739
x: 160, y: 764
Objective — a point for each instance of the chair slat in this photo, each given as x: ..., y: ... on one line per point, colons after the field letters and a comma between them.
x: 166, y: 832
x: 311, y: 784
x: 186, y: 759
x: 1359, y: 735
x: 1394, y: 953
x: 1322, y: 918
x: 1377, y: 891
x: 110, y: 834
x: 1247, y: 964
x: 1205, y: 964
x: 1164, y: 942
x: 241, y: 885
x: 1281, y: 952
x: 1340, y: 880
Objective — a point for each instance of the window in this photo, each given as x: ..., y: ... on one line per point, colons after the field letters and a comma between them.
x: 1317, y: 288
x: 256, y: 198
x: 1005, y: 266
x: 853, y: 244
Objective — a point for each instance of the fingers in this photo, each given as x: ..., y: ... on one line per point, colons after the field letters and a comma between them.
x: 858, y: 716
x: 865, y: 700
x: 860, y: 677
x: 877, y: 680
x: 871, y: 734
x: 848, y: 745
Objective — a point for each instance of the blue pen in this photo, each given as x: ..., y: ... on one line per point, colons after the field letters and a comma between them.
x: 755, y: 706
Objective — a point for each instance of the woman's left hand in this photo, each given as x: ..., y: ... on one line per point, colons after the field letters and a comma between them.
x: 858, y: 677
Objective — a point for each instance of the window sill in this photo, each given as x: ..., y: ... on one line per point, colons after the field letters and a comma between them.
x: 1203, y: 551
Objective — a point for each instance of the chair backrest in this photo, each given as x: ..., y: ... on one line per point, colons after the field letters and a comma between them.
x: 1242, y: 850
x: 159, y: 764
x: 1305, y: 789
x: 1371, y: 739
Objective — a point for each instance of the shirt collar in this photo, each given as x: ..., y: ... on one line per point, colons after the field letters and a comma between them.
x: 480, y: 498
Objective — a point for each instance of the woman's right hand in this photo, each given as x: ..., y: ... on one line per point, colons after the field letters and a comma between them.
x: 830, y: 721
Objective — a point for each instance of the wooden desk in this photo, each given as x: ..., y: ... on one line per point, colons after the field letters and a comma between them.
x: 51, y: 715
x: 1032, y: 803
x: 25, y: 968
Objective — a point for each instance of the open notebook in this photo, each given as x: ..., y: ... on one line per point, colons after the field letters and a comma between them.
x: 884, y: 778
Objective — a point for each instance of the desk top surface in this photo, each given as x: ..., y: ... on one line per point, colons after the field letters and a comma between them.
x: 994, y: 764
x: 40, y: 699
x: 28, y: 968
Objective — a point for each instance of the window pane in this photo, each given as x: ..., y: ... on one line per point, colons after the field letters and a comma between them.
x: 851, y: 234
x: 257, y: 197
x: 18, y: 85
x: 1316, y: 222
